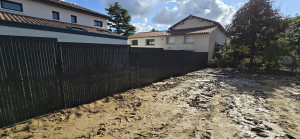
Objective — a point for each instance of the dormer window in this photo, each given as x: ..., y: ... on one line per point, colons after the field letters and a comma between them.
x: 181, y: 23
x: 201, y: 20
x: 11, y: 5
x: 73, y: 19
x: 77, y: 29
x: 211, y: 23
x: 102, y: 30
x: 55, y: 15
x: 98, y: 23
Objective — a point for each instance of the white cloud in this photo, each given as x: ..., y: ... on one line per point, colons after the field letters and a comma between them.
x: 175, y: 8
x: 136, y: 8
x: 238, y: 5
x: 146, y: 20
x: 207, y: 11
x: 164, y: 17
x: 161, y: 26
x: 142, y: 27
x: 140, y: 8
x: 210, y: 9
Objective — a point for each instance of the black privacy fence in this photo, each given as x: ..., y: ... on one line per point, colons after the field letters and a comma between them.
x: 40, y: 75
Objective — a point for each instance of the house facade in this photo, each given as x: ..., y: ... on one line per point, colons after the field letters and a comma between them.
x: 56, y: 19
x: 192, y: 33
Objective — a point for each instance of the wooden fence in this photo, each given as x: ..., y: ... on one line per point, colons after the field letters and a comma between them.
x: 41, y: 75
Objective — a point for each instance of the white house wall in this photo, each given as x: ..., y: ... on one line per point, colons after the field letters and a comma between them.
x: 216, y: 37
x: 212, y: 43
x: 142, y: 42
x: 62, y: 37
x: 200, y: 43
x: 192, y: 23
x: 221, y: 38
x: 41, y: 10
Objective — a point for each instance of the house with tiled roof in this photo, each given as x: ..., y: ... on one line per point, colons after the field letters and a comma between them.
x: 192, y: 33
x: 55, y: 19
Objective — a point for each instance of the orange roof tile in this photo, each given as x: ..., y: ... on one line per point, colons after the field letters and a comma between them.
x: 4, y: 16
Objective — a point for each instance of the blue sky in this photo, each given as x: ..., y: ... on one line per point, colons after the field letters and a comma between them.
x: 160, y: 14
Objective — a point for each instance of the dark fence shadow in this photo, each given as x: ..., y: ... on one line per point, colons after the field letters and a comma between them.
x: 41, y: 75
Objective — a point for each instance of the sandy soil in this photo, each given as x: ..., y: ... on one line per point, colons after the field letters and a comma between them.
x: 203, y: 104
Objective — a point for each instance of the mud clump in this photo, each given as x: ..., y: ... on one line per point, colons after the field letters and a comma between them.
x: 295, y: 96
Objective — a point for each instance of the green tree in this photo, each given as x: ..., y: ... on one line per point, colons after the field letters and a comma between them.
x: 153, y: 30
x: 119, y: 19
x: 255, y: 26
x: 272, y: 54
x: 294, y: 38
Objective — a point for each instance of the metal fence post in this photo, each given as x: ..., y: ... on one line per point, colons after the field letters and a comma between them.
x: 59, y: 72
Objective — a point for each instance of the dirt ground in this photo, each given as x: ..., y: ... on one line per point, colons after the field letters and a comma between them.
x: 208, y: 103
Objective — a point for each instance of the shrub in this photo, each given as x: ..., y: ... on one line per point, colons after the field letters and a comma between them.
x: 223, y: 57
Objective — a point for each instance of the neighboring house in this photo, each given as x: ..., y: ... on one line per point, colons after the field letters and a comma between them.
x: 56, y: 19
x: 192, y: 33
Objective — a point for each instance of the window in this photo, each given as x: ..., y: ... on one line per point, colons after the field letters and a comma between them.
x: 77, y: 29
x: 55, y: 15
x: 170, y: 40
x: 73, y: 19
x: 150, y: 42
x: 188, y: 39
x: 98, y: 23
x: 102, y: 30
x: 11, y: 5
x: 134, y: 42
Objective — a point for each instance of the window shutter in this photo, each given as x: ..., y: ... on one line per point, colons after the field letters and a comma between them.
x: 170, y: 40
x: 188, y: 39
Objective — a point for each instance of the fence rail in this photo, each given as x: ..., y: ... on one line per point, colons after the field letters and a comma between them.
x: 41, y: 75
